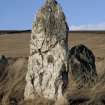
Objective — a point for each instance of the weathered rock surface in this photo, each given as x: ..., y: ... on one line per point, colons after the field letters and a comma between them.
x: 82, y: 64
x: 3, y: 64
x: 47, y: 74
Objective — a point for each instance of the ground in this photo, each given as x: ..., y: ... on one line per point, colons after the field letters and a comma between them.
x: 16, y: 48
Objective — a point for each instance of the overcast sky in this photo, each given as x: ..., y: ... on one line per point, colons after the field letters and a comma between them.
x: 80, y: 14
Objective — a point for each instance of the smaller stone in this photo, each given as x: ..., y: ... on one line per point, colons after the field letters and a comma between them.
x: 82, y: 65
x: 3, y: 64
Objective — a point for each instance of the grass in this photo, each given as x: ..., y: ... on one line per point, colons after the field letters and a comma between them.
x: 16, y: 48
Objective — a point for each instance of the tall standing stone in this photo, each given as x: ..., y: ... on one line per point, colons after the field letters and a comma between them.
x: 47, y: 74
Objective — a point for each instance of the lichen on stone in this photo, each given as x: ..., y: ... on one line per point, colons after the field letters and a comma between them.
x: 48, y: 53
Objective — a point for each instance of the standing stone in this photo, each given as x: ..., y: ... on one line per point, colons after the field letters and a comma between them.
x: 47, y: 74
x: 82, y: 63
x: 3, y: 65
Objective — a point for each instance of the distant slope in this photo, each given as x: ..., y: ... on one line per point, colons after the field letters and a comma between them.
x: 16, y: 43
x: 13, y: 83
x: 2, y: 32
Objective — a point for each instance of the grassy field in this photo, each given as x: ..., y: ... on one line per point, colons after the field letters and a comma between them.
x: 16, y: 47
x: 17, y: 44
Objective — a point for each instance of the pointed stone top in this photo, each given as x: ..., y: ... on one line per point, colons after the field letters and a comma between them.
x: 51, y: 1
x: 51, y: 19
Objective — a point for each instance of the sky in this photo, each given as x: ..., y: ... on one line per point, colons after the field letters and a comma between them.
x: 80, y: 14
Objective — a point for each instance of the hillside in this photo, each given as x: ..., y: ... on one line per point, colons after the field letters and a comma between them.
x: 15, y: 46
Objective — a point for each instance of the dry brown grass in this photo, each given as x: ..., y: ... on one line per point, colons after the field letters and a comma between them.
x: 15, y: 45
x: 13, y: 84
x: 17, y: 49
x: 12, y: 89
x: 87, y: 96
